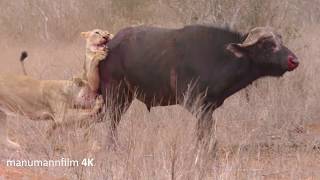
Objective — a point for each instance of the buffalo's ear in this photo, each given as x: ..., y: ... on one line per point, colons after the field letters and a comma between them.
x: 84, y: 34
x: 236, y: 50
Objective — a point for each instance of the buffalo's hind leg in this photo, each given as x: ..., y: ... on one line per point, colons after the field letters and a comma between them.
x: 4, y: 140
x: 118, y: 100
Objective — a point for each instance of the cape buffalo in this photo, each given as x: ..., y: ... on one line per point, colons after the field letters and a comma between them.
x: 160, y: 63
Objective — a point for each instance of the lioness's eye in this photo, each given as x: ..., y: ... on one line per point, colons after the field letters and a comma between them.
x: 97, y: 32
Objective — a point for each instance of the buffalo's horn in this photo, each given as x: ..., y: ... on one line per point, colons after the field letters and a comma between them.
x: 259, y: 33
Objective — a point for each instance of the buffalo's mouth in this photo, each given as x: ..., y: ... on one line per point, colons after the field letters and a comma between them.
x: 293, y: 63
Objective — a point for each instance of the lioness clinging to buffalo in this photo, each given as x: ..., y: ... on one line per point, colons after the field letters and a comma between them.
x: 96, y: 50
x: 57, y: 100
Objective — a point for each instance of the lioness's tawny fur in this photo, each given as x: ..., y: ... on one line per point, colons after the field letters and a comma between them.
x: 57, y: 100
x: 96, y: 49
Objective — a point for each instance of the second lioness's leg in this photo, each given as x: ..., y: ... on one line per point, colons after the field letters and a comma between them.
x: 85, y: 117
x: 59, y: 116
x: 69, y: 116
x: 4, y: 140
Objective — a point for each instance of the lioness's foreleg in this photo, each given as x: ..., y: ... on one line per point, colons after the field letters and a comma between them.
x: 83, y: 117
x: 59, y: 116
x: 93, y: 69
x: 4, y: 140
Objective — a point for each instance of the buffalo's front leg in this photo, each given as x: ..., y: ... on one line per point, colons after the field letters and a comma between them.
x: 205, y: 123
x: 202, y: 108
x: 118, y: 99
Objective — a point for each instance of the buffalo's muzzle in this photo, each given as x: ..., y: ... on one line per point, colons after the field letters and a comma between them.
x: 292, y: 63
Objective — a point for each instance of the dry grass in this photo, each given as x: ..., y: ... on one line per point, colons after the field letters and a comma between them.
x: 274, y: 135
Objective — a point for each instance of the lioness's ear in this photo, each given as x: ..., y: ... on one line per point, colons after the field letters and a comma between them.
x: 236, y: 49
x: 84, y: 34
x: 110, y: 36
x: 78, y: 81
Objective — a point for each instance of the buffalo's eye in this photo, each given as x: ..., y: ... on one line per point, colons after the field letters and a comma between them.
x: 269, y: 45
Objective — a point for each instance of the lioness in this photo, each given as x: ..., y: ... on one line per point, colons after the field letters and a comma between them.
x: 55, y: 100
x: 96, y: 43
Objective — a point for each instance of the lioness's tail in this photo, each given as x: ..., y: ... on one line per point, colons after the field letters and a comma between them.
x: 23, y: 56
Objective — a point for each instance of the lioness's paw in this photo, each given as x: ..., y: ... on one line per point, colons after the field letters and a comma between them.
x: 12, y: 145
x: 99, y: 102
x: 100, y: 55
x: 78, y: 81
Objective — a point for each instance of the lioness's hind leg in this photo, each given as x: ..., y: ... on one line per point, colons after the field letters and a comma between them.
x: 4, y: 140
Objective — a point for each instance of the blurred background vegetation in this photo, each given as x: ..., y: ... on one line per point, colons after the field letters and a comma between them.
x: 270, y: 130
x: 61, y: 20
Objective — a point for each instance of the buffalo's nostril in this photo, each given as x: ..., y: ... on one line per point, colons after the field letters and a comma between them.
x: 292, y: 63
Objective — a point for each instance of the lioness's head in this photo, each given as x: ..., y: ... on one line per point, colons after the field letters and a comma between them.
x: 82, y: 96
x: 97, y: 39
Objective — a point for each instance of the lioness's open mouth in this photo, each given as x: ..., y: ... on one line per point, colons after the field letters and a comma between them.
x: 99, y: 47
x: 102, y: 45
